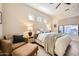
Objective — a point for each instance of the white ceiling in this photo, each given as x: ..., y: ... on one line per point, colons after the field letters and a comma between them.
x: 60, y: 12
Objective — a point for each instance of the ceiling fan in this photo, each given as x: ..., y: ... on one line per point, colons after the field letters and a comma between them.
x: 60, y: 4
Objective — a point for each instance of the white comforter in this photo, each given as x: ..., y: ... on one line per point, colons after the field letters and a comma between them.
x: 41, y: 37
x: 48, y: 40
x: 49, y: 43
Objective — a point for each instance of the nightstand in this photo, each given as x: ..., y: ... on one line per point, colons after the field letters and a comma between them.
x: 26, y: 40
x: 31, y: 40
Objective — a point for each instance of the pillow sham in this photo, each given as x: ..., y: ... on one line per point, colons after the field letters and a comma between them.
x: 62, y: 44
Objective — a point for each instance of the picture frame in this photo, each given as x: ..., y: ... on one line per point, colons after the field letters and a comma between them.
x: 55, y: 25
x: 0, y: 17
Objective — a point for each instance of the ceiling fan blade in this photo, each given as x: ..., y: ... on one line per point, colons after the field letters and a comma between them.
x: 50, y: 3
x: 58, y: 5
x: 68, y: 3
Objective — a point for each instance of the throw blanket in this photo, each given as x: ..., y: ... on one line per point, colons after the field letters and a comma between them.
x: 49, y: 43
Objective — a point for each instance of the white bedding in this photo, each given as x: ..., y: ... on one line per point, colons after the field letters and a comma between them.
x: 47, y: 40
x: 62, y: 44
x: 49, y: 43
x: 41, y: 37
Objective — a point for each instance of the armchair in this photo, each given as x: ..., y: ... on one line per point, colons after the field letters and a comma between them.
x: 7, y: 46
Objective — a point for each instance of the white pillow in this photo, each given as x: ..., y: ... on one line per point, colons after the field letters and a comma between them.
x: 61, y: 45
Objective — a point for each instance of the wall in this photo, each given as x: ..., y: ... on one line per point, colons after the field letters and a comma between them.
x: 1, y: 24
x: 15, y: 18
x: 71, y: 20
x: 66, y: 21
x: 55, y: 29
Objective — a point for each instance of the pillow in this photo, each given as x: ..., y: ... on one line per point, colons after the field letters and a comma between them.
x: 62, y: 44
x: 17, y: 38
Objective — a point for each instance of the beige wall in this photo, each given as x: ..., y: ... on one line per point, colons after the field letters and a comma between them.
x: 15, y: 19
x: 0, y: 24
x: 55, y: 29
x: 71, y: 20
x: 66, y: 21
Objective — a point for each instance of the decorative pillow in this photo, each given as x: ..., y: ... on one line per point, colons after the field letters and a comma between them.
x: 62, y: 44
x: 18, y: 38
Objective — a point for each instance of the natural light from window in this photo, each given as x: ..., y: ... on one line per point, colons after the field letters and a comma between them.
x: 45, y: 21
x: 31, y: 17
x: 39, y: 19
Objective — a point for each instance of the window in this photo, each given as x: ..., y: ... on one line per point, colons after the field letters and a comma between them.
x: 39, y: 19
x: 61, y: 30
x: 69, y: 29
x: 31, y: 17
x: 45, y: 21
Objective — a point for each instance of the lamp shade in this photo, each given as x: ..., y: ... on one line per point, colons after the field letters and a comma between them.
x: 25, y: 34
x: 29, y: 28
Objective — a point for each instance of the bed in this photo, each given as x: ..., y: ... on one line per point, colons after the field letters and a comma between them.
x: 41, y: 38
x: 48, y: 40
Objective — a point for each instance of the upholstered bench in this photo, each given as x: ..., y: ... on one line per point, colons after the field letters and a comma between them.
x: 28, y: 49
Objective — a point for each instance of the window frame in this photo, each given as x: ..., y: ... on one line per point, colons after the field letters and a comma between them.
x: 64, y: 28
